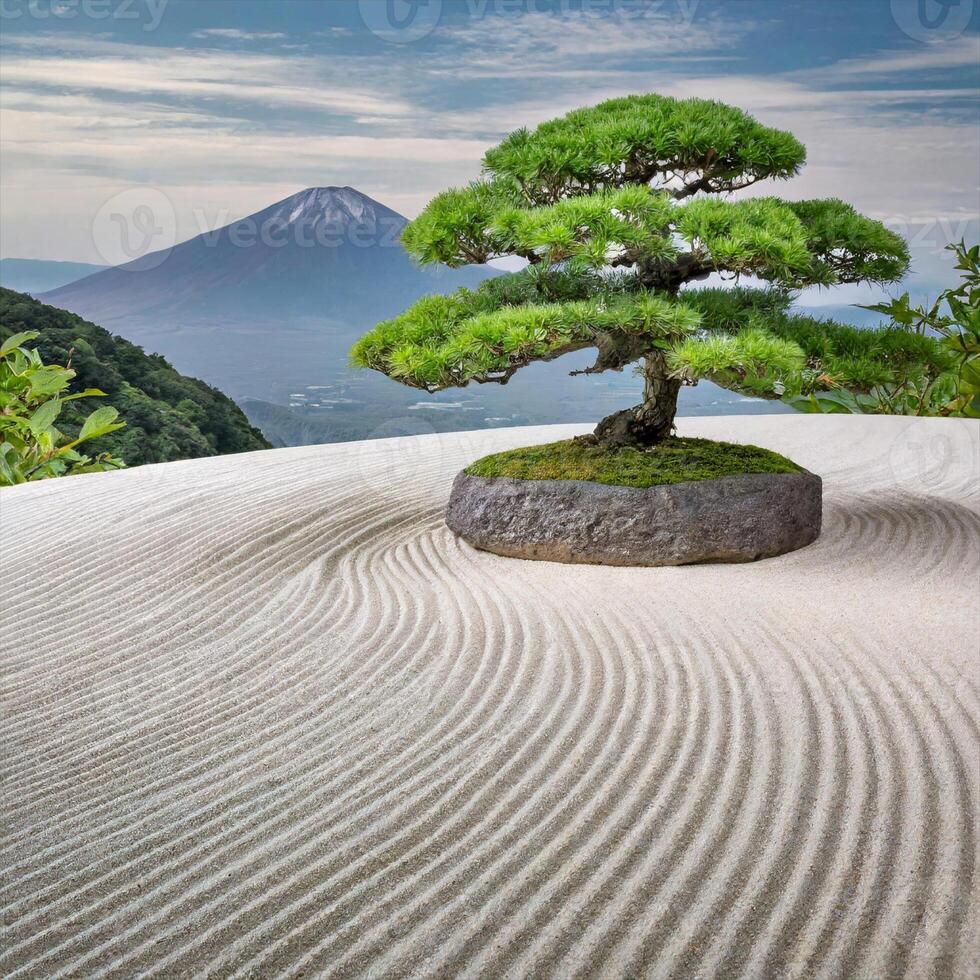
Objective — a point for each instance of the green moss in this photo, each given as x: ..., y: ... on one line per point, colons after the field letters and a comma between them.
x: 672, y: 461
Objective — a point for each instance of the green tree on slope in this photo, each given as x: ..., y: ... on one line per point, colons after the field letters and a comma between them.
x: 616, y: 209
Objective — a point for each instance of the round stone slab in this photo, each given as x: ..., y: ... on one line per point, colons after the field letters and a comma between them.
x: 731, y: 519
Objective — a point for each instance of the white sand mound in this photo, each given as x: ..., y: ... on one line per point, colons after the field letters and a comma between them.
x: 264, y: 716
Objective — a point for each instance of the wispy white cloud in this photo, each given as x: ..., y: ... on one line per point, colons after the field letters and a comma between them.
x: 235, y: 34
x: 539, y: 41
x: 260, y: 79
x: 78, y: 115
x: 961, y: 52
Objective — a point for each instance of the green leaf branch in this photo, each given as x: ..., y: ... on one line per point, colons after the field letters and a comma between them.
x: 32, y: 395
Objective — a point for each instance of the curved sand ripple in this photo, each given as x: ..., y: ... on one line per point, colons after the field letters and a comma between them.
x: 265, y: 716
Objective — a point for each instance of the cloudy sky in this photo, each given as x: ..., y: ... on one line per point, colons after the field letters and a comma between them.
x: 223, y: 108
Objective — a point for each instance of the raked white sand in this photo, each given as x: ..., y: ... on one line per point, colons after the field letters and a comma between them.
x: 264, y: 716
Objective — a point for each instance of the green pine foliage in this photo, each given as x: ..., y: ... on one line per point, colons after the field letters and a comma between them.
x: 584, y: 230
x: 168, y: 416
x: 751, y: 342
x: 453, y: 228
x: 848, y: 247
x: 615, y: 208
x: 731, y: 310
x: 759, y: 236
x: 644, y: 139
x: 445, y: 341
x: 753, y: 361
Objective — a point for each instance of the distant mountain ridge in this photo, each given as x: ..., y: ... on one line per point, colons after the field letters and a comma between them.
x: 326, y: 251
x: 37, y: 276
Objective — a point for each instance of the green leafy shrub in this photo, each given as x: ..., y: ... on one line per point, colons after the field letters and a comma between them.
x: 959, y: 327
x: 32, y: 396
x: 924, y: 362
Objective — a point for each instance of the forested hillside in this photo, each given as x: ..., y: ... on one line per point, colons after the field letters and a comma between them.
x: 168, y: 416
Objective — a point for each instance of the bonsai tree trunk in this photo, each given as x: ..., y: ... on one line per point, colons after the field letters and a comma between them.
x: 649, y: 423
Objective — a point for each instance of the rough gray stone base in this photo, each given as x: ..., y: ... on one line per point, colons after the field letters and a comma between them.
x: 732, y: 519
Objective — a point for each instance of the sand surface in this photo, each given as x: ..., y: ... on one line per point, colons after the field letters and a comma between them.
x: 264, y: 716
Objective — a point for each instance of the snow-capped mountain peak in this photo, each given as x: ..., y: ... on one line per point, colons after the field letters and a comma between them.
x: 343, y: 206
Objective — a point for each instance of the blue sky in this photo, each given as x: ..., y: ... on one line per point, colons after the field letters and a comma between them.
x: 225, y: 107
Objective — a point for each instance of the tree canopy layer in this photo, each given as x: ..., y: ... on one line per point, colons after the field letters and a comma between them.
x: 616, y: 209
x: 683, y: 145
x: 168, y: 416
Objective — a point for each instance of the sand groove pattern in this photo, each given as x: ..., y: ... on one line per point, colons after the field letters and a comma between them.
x: 265, y: 716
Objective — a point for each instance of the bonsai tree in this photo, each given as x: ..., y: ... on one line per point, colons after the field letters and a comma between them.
x: 617, y: 209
